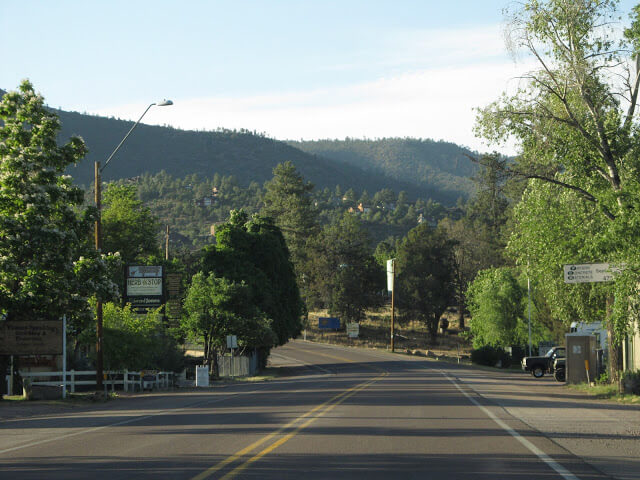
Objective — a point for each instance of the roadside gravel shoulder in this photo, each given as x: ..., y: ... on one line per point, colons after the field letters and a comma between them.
x: 18, y: 409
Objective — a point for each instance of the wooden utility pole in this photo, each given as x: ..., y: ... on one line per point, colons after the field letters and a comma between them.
x: 166, y: 247
x: 98, y: 245
x: 393, y: 316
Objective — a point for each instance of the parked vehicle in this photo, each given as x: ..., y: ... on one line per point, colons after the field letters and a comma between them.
x: 560, y: 369
x: 594, y: 328
x: 538, y: 366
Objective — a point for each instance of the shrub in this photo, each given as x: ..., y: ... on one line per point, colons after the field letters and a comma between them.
x: 631, y: 382
x: 491, y: 356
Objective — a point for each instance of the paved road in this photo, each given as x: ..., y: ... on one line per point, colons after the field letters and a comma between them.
x: 337, y: 413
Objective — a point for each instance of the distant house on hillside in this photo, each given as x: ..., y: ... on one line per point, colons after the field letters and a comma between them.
x: 431, y: 221
x: 207, y: 201
x: 362, y: 209
x: 386, y: 206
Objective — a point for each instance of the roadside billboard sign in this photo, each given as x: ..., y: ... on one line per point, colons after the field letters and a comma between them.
x: 173, y: 294
x: 329, y: 323
x: 31, y: 337
x: 144, y: 287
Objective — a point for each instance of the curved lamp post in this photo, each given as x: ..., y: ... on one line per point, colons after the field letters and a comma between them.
x: 98, y: 242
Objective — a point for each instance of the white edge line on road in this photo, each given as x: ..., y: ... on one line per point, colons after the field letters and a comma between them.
x: 122, y: 422
x: 541, y: 455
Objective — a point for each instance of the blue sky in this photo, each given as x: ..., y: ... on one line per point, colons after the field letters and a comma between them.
x: 291, y: 69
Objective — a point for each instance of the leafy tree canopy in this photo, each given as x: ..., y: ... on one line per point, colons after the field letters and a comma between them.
x: 136, y: 342
x: 217, y: 307
x: 254, y: 252
x: 574, y: 118
x: 341, y: 272
x: 128, y: 226
x: 424, y: 267
x: 498, y: 302
x: 287, y: 200
x: 47, y: 267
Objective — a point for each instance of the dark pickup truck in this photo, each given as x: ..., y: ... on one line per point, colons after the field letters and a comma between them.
x: 538, y: 366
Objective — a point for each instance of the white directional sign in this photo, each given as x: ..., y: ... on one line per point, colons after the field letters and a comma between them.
x: 390, y: 268
x: 232, y: 341
x: 590, y: 272
x: 353, y: 330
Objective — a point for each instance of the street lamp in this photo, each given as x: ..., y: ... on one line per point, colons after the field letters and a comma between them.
x: 98, y: 241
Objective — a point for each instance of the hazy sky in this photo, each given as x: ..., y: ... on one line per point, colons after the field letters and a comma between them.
x: 291, y: 69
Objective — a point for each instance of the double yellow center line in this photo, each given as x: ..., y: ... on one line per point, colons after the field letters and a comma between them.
x: 318, y: 410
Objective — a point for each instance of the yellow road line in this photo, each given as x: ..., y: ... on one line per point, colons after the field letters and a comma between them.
x: 289, y: 436
x: 337, y: 398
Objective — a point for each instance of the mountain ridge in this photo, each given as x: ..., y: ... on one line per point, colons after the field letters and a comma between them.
x: 398, y: 164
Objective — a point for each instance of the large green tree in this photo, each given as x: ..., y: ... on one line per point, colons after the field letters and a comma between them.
x: 467, y: 259
x: 254, y: 252
x: 480, y: 236
x: 424, y: 264
x: 216, y: 307
x: 287, y: 200
x: 41, y: 225
x: 574, y: 119
x: 47, y: 266
x: 342, y: 274
x: 128, y: 226
x: 498, y: 305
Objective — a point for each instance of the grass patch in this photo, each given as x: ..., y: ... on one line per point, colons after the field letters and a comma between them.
x: 607, y: 391
x: 14, y: 398
x: 264, y: 376
x: 411, y: 337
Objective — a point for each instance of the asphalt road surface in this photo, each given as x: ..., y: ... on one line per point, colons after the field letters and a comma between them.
x: 335, y: 413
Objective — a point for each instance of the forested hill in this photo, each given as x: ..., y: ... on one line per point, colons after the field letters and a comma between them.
x: 422, y: 168
x: 441, y: 165
x: 247, y: 156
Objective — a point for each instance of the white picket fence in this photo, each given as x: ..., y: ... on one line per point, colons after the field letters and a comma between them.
x: 121, y: 380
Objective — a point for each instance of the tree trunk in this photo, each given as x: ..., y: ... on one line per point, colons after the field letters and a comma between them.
x: 206, y: 348
x: 614, y: 346
x: 4, y: 363
x: 615, y: 356
x: 432, y: 327
x: 461, y: 313
x: 215, y: 370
